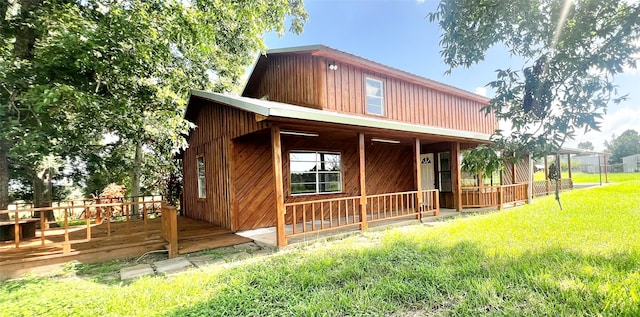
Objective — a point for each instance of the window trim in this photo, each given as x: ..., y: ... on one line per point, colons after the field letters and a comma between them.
x: 203, y: 179
x: 317, y: 173
x: 382, y: 102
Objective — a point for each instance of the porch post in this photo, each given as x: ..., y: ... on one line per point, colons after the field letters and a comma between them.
x: 455, y: 178
x: 546, y: 174
x: 600, y: 169
x: 418, y: 177
x: 606, y: 171
x: 530, y: 189
x: 569, y: 164
x: 513, y: 170
x: 276, y: 152
x: 363, y: 184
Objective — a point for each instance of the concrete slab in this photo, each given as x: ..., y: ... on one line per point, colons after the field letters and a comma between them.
x: 248, y: 247
x: 172, y: 265
x: 131, y: 272
x: 205, y: 260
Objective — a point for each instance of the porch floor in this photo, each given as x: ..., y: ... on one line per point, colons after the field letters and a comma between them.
x: 126, y: 241
x: 267, y: 236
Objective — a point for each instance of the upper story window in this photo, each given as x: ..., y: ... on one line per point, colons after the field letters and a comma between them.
x: 315, y: 172
x: 202, y: 192
x: 375, y: 96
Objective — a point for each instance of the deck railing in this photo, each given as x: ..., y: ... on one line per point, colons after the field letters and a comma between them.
x: 545, y: 187
x: 321, y: 215
x: 75, y: 215
x: 494, y: 196
x: 480, y: 196
x: 328, y: 214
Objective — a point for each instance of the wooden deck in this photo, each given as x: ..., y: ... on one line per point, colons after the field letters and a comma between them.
x: 126, y: 241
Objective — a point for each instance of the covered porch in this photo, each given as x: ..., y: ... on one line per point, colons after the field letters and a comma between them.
x: 383, y: 176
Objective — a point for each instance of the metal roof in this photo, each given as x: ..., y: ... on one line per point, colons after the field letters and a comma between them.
x: 283, y: 110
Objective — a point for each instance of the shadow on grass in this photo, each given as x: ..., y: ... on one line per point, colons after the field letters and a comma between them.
x: 426, y: 278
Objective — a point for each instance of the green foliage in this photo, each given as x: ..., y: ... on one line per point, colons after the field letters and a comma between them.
x: 74, y: 71
x: 586, y: 145
x: 571, y: 51
x: 527, y: 261
x: 628, y: 143
x: 481, y: 159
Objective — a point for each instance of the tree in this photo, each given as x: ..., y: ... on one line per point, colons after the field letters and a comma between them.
x: 628, y: 143
x: 586, y: 145
x: 481, y: 161
x: 73, y: 71
x: 571, y: 51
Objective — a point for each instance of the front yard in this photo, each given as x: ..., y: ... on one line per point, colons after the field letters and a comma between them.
x: 532, y: 260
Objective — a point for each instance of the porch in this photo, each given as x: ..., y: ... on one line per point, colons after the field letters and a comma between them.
x: 89, y: 233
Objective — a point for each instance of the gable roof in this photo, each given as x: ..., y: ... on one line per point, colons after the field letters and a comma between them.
x: 272, y: 109
x: 347, y: 58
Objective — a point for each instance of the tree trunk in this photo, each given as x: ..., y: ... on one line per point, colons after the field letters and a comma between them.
x: 4, y: 179
x: 42, y: 192
x: 135, y: 176
x: 26, y: 33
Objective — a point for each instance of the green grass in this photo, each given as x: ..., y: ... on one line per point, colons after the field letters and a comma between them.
x: 593, y: 178
x: 613, y: 177
x: 534, y: 260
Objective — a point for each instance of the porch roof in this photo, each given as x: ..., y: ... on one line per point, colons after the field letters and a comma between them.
x: 282, y: 110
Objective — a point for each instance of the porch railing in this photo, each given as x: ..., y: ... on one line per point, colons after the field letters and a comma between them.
x: 493, y: 196
x: 71, y: 216
x: 328, y: 214
x: 545, y: 187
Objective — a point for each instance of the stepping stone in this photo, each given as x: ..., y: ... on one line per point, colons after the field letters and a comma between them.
x: 249, y: 246
x: 205, y: 260
x: 127, y: 273
x: 172, y: 265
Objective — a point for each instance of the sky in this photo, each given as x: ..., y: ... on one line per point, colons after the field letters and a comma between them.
x: 398, y: 34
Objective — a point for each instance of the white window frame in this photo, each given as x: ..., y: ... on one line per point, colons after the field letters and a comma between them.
x: 367, y: 96
x: 201, y: 176
x: 317, y: 173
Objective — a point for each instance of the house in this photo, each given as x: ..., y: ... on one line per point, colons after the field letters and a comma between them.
x: 322, y: 139
x: 631, y: 163
x: 587, y: 164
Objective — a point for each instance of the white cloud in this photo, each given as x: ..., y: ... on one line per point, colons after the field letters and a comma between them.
x: 420, y: 1
x: 613, y: 123
x: 482, y: 91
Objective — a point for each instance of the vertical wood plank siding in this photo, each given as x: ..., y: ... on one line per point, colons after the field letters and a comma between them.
x: 306, y: 80
x: 289, y: 79
x: 216, y: 126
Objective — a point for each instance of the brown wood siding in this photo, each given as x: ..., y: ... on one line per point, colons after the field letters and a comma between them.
x: 216, y: 126
x: 253, y: 182
x: 306, y: 80
x: 389, y: 168
x: 290, y: 79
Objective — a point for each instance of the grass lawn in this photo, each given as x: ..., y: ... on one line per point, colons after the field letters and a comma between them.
x: 593, y: 178
x: 533, y: 260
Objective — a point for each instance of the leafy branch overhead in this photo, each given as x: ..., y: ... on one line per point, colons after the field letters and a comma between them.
x: 570, y: 53
x: 74, y: 71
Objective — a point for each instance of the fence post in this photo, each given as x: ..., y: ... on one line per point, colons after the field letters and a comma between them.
x: 16, y: 229
x: 170, y: 229
x: 436, y: 194
x: 500, y: 194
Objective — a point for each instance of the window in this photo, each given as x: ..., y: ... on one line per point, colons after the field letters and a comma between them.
x: 315, y: 172
x: 375, y: 96
x: 202, y: 192
x: 444, y: 171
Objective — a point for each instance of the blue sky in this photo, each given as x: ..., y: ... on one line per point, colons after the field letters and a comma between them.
x: 397, y: 33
